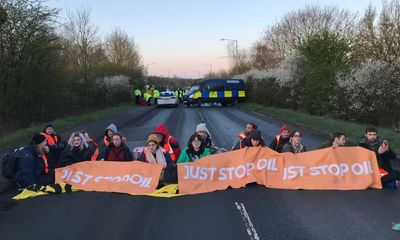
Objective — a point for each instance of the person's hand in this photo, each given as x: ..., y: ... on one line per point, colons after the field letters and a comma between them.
x: 384, y: 147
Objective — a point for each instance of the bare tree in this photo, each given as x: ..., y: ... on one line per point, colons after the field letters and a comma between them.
x: 285, y: 36
x: 122, y: 50
x: 81, y: 42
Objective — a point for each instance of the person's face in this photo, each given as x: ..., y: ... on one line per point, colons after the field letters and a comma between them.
x: 296, y: 139
x: 285, y: 134
x: 76, y: 141
x: 116, y: 141
x: 255, y: 143
x: 203, y: 134
x: 110, y: 132
x: 152, y: 147
x: 49, y: 130
x: 371, y: 136
x: 341, y: 141
x: 249, y: 128
x: 196, y: 143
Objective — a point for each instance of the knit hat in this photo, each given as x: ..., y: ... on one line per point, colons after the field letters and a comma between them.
x: 201, y: 127
x: 152, y: 138
x: 255, y: 135
x: 284, y: 128
x: 38, y: 138
x: 48, y: 125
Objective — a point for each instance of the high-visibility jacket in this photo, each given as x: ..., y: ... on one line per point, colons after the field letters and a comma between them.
x: 46, y: 164
x: 96, y: 151
x: 105, y: 141
x: 167, y: 148
x: 51, y: 139
x: 156, y: 93
x: 147, y: 96
x: 278, y: 139
x: 138, y: 93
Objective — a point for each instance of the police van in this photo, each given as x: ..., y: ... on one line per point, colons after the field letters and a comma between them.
x: 224, y: 91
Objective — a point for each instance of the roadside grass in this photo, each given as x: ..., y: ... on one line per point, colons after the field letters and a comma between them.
x: 325, y: 124
x: 23, y: 135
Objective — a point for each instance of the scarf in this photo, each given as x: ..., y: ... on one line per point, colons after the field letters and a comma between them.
x: 159, y: 159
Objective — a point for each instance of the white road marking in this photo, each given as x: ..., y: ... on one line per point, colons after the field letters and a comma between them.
x: 247, y: 222
x: 201, y: 117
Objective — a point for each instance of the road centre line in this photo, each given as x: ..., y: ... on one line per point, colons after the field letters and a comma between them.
x: 201, y: 117
x: 247, y: 222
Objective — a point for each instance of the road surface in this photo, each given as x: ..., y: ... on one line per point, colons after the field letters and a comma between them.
x: 254, y: 212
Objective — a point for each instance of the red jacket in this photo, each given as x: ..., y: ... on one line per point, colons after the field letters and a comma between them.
x: 168, y: 140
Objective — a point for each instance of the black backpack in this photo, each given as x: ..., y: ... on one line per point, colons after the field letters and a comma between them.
x: 10, y: 163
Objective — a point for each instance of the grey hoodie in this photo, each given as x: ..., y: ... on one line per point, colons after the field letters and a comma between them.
x: 112, y: 127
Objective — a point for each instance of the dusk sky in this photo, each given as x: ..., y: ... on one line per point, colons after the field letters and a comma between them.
x: 182, y: 37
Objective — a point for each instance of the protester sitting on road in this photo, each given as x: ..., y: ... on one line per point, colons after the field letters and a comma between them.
x: 51, y: 136
x: 383, y: 154
x: 117, y: 150
x: 338, y: 139
x: 195, y: 149
x: 250, y: 127
x: 294, y: 145
x: 77, y: 150
x: 168, y: 142
x: 153, y: 154
x: 34, y: 166
x: 202, y: 129
x: 254, y: 140
x: 54, y: 141
x: 281, y: 139
x: 108, y: 134
x: 92, y: 143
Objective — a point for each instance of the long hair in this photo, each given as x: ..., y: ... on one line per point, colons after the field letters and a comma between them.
x: 80, y: 135
x: 189, y: 143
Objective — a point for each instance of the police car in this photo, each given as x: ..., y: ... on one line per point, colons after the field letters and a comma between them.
x: 167, y: 98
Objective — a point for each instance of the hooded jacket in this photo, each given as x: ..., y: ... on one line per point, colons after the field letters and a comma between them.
x: 107, y: 139
x: 168, y: 140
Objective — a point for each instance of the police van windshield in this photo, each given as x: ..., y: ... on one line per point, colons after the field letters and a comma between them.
x: 194, y: 88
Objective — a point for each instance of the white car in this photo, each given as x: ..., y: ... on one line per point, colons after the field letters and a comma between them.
x: 167, y: 98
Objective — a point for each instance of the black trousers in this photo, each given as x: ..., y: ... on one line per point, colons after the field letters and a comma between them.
x: 392, y: 176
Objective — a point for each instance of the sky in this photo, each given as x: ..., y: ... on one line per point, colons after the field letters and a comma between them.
x: 182, y: 37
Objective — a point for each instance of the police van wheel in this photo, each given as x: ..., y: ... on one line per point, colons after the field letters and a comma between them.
x: 188, y: 105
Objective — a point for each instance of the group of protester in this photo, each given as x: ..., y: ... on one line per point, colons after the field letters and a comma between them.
x: 47, y: 151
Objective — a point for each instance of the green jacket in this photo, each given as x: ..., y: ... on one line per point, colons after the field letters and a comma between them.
x: 185, y: 156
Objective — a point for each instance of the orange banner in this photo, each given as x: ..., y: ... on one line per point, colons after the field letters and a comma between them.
x: 346, y: 168
x: 124, y: 177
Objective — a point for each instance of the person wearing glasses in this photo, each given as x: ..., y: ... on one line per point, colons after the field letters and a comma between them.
x: 294, y: 145
x: 195, y: 149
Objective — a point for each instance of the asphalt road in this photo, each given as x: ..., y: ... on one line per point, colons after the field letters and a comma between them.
x: 254, y: 212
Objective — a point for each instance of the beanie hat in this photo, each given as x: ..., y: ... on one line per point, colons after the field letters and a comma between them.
x: 255, y: 135
x: 284, y: 128
x: 48, y: 125
x: 152, y: 138
x: 38, y: 138
x: 201, y: 127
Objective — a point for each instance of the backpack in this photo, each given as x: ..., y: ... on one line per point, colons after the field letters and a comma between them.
x: 10, y: 163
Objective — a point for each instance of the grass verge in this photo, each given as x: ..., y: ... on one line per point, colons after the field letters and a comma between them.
x: 22, y: 135
x: 324, y: 124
